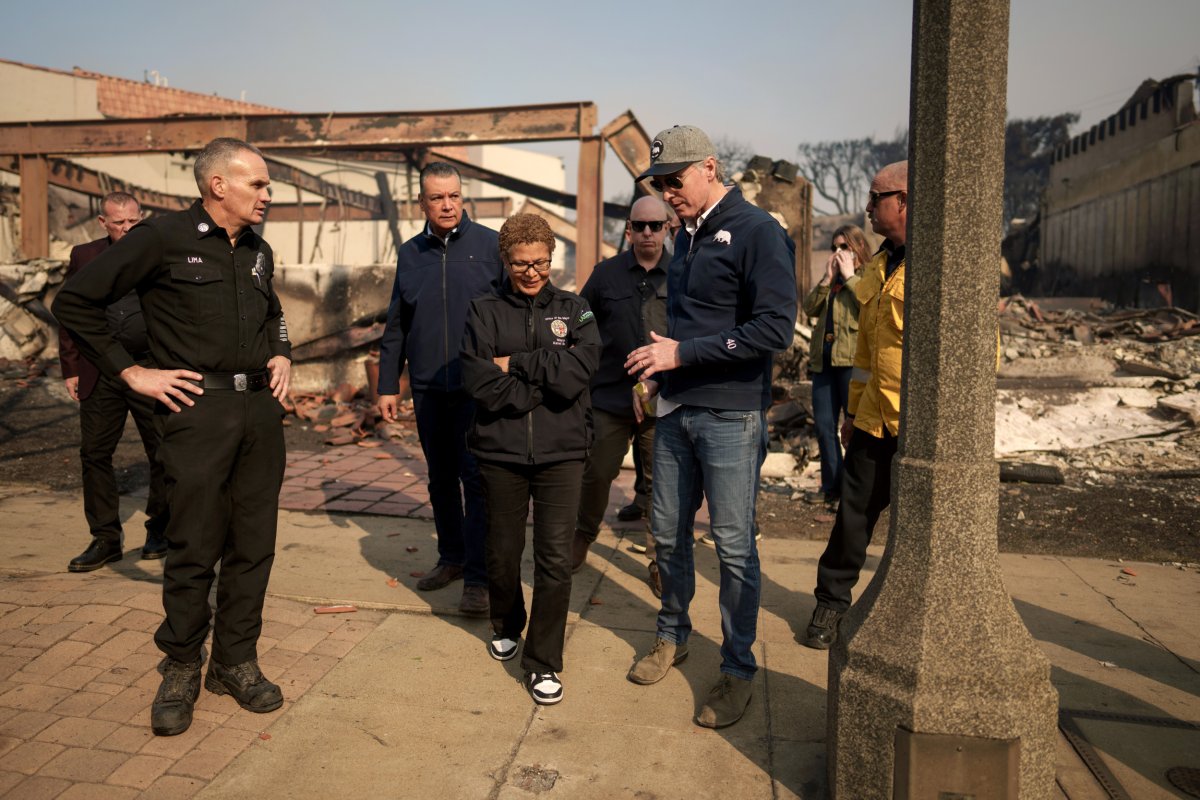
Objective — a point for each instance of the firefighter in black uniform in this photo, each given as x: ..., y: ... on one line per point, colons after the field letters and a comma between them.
x: 218, y: 336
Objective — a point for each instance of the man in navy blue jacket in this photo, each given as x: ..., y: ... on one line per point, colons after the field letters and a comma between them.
x: 438, y: 272
x: 731, y: 305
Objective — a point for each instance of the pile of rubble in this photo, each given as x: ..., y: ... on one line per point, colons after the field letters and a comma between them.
x: 27, y: 328
x: 22, y: 371
x: 347, y: 415
x: 1083, y: 387
x: 1158, y: 342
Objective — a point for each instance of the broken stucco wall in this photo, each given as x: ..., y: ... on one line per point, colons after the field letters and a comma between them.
x: 321, y: 301
x: 1121, y: 213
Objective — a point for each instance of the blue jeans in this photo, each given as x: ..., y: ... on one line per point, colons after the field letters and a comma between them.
x: 455, y: 485
x: 715, y: 454
x: 830, y: 395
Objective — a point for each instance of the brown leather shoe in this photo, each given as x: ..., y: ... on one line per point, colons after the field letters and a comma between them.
x: 474, y: 601
x: 579, y: 550
x: 442, y: 575
x: 655, y: 580
x: 726, y: 702
x: 654, y: 666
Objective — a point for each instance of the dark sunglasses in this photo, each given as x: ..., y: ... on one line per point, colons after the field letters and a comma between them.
x: 639, y: 225
x: 836, y: 247
x: 875, y: 197
x: 674, y: 182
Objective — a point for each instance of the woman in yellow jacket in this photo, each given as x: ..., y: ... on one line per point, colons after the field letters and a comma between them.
x: 831, y: 354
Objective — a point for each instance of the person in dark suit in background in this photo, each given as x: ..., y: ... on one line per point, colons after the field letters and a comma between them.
x: 105, y: 404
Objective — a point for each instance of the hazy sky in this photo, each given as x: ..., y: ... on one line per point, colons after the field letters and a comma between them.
x: 771, y: 73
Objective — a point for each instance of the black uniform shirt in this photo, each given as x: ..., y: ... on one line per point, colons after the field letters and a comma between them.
x: 628, y: 302
x: 128, y: 326
x: 209, y: 307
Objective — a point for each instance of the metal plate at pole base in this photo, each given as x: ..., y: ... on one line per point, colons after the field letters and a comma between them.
x: 934, y: 766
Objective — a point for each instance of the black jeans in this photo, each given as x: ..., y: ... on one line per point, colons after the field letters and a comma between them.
x: 224, y: 460
x: 612, y: 434
x: 443, y: 419
x: 101, y: 423
x: 866, y: 492
x: 554, y: 489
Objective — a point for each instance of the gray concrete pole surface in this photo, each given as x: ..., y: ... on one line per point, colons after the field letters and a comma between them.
x: 934, y: 646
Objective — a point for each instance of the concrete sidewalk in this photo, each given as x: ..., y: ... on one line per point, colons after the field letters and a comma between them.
x: 401, y: 699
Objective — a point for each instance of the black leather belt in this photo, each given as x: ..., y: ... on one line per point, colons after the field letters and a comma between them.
x: 237, y: 381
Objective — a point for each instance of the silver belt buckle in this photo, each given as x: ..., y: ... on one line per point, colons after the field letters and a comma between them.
x: 239, y: 381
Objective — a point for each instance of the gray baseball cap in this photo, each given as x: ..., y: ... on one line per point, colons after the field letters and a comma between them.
x: 675, y: 148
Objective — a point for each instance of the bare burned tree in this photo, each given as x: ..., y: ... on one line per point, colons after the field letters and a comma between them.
x: 888, y: 152
x: 842, y: 170
x: 837, y: 170
x: 734, y: 154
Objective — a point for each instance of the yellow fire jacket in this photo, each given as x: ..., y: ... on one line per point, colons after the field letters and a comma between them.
x: 875, y: 379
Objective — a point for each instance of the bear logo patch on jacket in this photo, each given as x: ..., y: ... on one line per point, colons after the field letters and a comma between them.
x: 723, y: 237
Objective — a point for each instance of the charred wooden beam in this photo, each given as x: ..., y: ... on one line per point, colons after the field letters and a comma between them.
x: 35, y: 206
x: 589, y: 217
x: 536, y: 191
x: 562, y: 227
x: 483, y: 207
x: 283, y: 132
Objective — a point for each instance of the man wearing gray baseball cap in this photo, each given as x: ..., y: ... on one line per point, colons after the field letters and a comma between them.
x: 731, y: 305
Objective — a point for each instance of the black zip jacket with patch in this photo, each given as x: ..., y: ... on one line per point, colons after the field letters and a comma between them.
x: 539, y: 411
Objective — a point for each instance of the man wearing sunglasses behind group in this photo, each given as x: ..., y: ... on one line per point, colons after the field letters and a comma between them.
x: 731, y: 305
x: 628, y: 295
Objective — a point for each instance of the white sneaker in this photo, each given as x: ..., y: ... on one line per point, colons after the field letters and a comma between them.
x: 545, y: 688
x: 502, y: 649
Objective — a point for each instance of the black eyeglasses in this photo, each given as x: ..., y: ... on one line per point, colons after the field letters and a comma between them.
x: 541, y: 266
x: 639, y: 225
x: 874, y: 197
x: 674, y: 182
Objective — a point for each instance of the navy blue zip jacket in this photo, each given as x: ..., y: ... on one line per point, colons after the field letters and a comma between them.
x: 540, y: 411
x: 731, y: 305
x: 435, y: 283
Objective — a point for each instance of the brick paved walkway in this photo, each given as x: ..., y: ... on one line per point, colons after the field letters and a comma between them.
x: 78, y: 671
x: 388, y: 480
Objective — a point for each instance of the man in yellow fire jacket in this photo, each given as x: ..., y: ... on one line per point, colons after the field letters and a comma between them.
x: 873, y: 422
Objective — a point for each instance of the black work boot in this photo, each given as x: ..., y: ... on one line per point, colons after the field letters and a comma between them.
x: 823, y: 629
x: 171, y: 711
x: 99, y: 553
x: 246, y: 683
x: 155, y: 546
